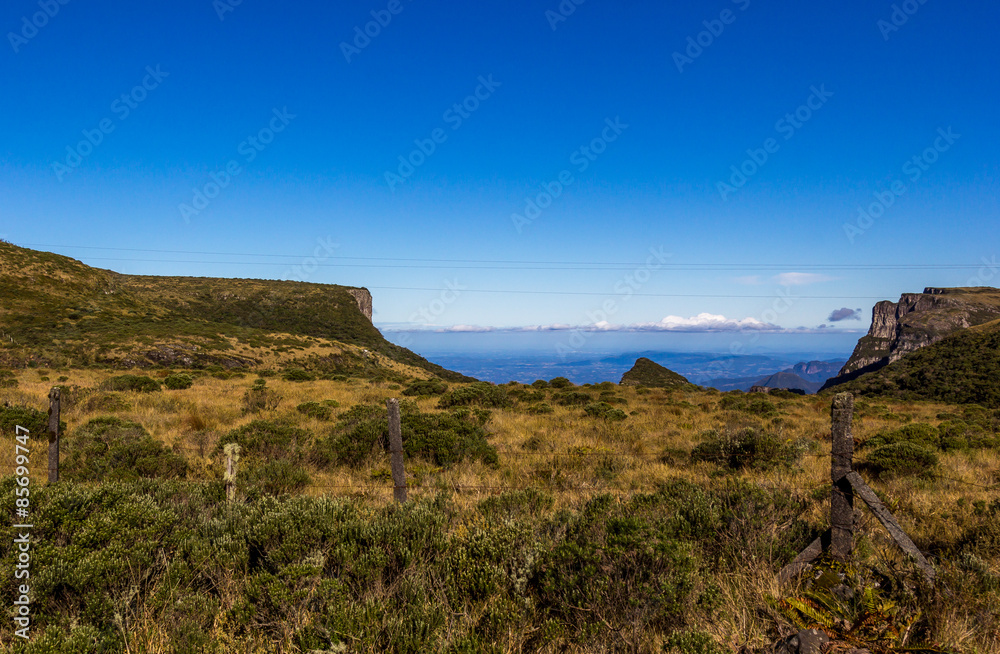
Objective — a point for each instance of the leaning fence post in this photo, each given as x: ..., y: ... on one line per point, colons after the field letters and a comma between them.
x: 842, y: 495
x: 54, y: 402
x: 232, y: 452
x: 396, y: 447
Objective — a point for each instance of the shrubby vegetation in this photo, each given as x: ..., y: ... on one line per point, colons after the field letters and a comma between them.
x: 425, y: 387
x: 135, y: 383
x: 112, y: 449
x: 178, y: 381
x: 441, y: 438
x: 478, y: 393
x: 739, y: 447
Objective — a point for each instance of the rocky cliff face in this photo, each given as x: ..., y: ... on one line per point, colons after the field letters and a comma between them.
x: 364, y: 300
x: 916, y: 321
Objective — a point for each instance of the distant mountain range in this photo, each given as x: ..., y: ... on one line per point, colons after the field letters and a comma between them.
x: 722, y: 371
x: 808, y: 376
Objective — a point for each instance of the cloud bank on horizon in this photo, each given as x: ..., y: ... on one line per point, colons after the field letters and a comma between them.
x: 703, y: 322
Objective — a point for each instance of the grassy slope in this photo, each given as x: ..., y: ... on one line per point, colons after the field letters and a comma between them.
x: 57, y: 311
x: 453, y: 567
x: 961, y: 368
x: 646, y: 372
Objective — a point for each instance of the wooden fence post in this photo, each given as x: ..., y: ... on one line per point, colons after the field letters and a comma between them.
x: 842, y: 495
x: 396, y: 448
x: 54, y: 409
x: 232, y: 452
x: 839, y: 539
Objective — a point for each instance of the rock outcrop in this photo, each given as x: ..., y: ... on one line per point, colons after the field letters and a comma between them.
x: 916, y: 321
x: 364, y: 299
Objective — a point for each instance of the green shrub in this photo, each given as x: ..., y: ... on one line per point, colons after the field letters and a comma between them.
x: 442, y: 438
x: 692, y: 642
x: 278, y: 477
x: 540, y: 408
x: 112, y: 449
x: 315, y: 410
x: 540, y: 384
x: 620, y: 564
x: 560, y: 382
x: 267, y: 440
x: 516, y: 504
x: 899, y: 459
x: 571, y: 398
x: 753, y: 403
x: 744, y: 447
x: 178, y: 382
x: 478, y: 393
x: 35, y: 421
x: 604, y: 411
x: 426, y: 387
x: 297, y: 375
x: 135, y: 383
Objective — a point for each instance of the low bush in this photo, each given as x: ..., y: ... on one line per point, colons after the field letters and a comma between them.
x: 442, y: 438
x: 560, y: 382
x: 752, y: 403
x: 268, y: 440
x: 298, y: 375
x: 744, y: 447
x: 178, y: 382
x: 112, y: 449
x: 135, y: 383
x: 571, y: 398
x: 605, y: 411
x: 478, y: 393
x: 315, y: 410
x: 279, y: 477
x: 35, y: 421
x: 540, y: 408
x: 899, y: 459
x: 423, y: 387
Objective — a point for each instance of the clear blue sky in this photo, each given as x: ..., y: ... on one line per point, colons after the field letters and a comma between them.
x: 671, y: 118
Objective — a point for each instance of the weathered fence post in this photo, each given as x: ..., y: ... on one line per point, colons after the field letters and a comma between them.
x: 54, y: 409
x: 842, y: 495
x: 839, y: 540
x: 232, y: 452
x: 396, y: 448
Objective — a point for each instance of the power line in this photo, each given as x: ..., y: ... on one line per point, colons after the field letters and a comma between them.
x: 697, y: 295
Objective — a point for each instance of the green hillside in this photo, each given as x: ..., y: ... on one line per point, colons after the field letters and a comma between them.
x: 963, y: 368
x: 56, y: 311
x: 647, y: 372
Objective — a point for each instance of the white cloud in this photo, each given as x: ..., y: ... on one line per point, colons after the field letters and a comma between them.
x: 468, y: 328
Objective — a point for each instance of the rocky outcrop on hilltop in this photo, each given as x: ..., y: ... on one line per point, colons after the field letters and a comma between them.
x: 364, y: 299
x: 916, y: 321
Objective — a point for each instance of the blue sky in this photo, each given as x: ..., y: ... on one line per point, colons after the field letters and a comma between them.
x: 705, y: 159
